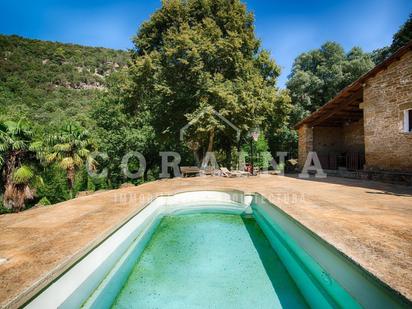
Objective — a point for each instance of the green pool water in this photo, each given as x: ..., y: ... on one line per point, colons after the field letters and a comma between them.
x: 209, y: 261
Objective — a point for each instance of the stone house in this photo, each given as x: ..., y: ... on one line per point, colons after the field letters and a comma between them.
x: 366, y: 130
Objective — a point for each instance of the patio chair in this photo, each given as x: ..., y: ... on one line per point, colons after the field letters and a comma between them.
x: 209, y: 171
x: 227, y: 173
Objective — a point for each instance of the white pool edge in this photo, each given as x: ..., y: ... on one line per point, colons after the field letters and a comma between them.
x: 75, y: 286
x: 78, y: 284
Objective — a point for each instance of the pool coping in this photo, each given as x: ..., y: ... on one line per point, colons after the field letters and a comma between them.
x: 369, y: 224
x: 366, y: 272
x: 37, y: 288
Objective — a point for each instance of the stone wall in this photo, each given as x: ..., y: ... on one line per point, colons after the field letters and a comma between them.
x: 331, y: 140
x: 353, y: 137
x: 349, y: 138
x: 328, y: 140
x: 305, y: 142
x: 386, y: 95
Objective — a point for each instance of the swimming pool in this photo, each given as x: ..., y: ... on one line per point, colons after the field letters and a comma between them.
x: 212, y: 249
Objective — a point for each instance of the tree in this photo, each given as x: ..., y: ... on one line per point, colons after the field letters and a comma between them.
x: 70, y: 149
x: 399, y: 39
x: 278, y: 126
x: 195, y: 58
x: 318, y: 75
x: 403, y: 36
x: 121, y: 130
x: 380, y: 54
x: 17, y: 152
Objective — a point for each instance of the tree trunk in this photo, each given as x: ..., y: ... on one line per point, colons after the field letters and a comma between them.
x: 145, y: 175
x: 70, y: 181
x: 9, y: 201
x: 211, y: 140
x: 15, y: 196
x: 196, y: 155
x: 238, y: 151
x: 228, y: 151
x: 8, y: 196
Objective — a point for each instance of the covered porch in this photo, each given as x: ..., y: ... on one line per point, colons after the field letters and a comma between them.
x: 336, y: 133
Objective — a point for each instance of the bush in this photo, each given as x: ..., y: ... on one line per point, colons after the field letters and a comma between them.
x: 44, y: 201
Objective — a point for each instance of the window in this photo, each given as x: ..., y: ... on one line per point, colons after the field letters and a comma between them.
x: 407, y: 120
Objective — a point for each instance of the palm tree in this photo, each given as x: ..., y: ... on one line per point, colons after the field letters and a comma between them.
x: 16, y: 150
x: 70, y: 148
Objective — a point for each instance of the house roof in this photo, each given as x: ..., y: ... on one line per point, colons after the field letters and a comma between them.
x: 345, y: 105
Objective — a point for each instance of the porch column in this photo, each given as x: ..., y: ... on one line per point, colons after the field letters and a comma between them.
x: 305, y: 143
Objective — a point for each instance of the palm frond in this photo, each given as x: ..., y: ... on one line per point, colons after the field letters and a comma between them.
x: 18, y: 145
x: 23, y: 175
x: 78, y: 161
x: 83, y: 152
x: 36, y: 146
x: 91, y: 163
x: 69, y: 148
x: 67, y: 163
x: 11, y: 126
x: 62, y: 147
x: 50, y: 157
x: 3, y: 147
x: 38, y: 181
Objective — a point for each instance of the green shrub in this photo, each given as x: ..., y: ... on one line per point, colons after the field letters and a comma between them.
x: 44, y: 201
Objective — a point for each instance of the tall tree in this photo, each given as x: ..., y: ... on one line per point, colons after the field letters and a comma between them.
x: 194, y: 59
x: 399, y: 39
x: 318, y: 75
x: 403, y: 36
x: 120, y: 130
x: 70, y: 149
x: 17, y: 152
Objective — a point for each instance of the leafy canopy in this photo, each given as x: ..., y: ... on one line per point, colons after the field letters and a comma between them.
x: 318, y: 75
x: 70, y: 147
x: 399, y: 39
x: 15, y: 138
x: 403, y: 36
x: 196, y: 57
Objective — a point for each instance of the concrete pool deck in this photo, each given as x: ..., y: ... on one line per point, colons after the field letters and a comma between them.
x: 368, y: 221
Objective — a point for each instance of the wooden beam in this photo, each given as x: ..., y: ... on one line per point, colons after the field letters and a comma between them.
x: 343, y: 119
x: 349, y: 113
x: 341, y: 106
x: 330, y: 125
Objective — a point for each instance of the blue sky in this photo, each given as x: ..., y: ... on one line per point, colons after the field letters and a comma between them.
x: 286, y: 28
